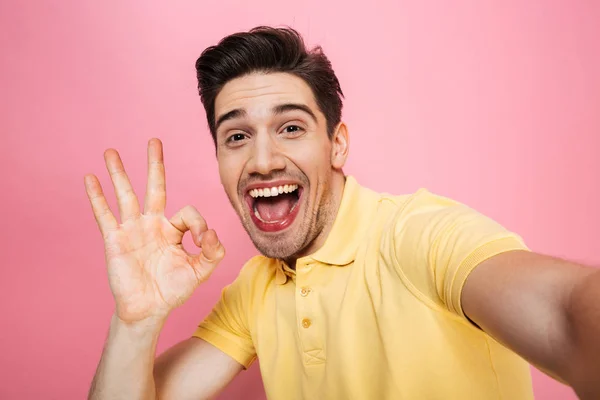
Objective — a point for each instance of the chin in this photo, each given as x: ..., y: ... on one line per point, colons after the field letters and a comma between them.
x: 276, y: 248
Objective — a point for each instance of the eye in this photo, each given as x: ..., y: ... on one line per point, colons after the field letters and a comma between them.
x: 236, y: 137
x: 293, y: 129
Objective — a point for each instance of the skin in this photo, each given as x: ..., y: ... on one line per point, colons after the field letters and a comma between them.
x: 543, y: 308
x: 261, y: 146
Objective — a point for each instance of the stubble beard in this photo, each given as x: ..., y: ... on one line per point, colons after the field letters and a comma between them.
x: 293, y: 242
x: 285, y: 245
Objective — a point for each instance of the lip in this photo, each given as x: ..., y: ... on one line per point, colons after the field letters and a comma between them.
x: 279, y: 225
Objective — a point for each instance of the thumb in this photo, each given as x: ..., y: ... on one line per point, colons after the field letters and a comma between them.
x: 211, y: 255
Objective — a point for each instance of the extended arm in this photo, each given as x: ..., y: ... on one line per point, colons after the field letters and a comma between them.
x: 543, y: 308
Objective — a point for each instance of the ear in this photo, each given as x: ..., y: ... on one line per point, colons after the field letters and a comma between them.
x: 339, y: 146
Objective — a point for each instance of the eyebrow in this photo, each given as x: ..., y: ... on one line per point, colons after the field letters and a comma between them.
x: 283, y: 108
x: 233, y: 114
x: 277, y: 110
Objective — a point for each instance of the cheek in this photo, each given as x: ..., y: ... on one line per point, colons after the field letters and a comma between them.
x: 311, y: 155
x: 229, y: 173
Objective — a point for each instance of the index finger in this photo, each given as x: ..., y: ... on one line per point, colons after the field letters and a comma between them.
x: 156, y: 192
x: 104, y: 217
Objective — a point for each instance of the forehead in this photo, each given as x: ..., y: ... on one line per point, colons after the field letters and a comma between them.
x: 257, y: 93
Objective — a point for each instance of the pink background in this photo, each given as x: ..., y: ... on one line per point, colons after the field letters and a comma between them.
x: 497, y: 106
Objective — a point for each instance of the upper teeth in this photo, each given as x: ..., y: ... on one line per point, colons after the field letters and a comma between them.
x: 273, y: 191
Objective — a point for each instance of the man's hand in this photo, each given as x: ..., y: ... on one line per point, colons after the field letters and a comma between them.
x: 149, y: 271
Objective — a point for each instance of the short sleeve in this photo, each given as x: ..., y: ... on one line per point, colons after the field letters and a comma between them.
x: 438, y: 242
x: 226, y: 327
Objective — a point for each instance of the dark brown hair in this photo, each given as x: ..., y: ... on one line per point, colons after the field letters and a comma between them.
x: 267, y: 49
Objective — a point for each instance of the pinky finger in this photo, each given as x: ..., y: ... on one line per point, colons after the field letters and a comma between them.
x: 104, y: 217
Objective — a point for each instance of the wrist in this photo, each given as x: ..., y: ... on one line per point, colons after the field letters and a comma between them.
x: 148, y: 327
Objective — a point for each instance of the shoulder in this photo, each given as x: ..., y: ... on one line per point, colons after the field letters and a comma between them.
x: 421, y: 206
x: 425, y: 207
x: 421, y: 217
x: 384, y: 207
x: 257, y: 264
x: 257, y: 271
x: 421, y: 200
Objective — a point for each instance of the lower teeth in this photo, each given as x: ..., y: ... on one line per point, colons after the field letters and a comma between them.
x: 257, y: 215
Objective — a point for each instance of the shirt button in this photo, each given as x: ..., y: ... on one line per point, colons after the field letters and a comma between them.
x: 305, y: 323
x: 304, y: 291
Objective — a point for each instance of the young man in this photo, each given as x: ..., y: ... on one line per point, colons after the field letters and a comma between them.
x: 357, y: 295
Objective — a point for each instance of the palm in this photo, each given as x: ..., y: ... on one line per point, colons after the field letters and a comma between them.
x: 149, y: 271
x: 148, y: 267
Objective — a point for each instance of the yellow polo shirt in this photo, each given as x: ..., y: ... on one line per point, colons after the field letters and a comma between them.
x: 375, y: 313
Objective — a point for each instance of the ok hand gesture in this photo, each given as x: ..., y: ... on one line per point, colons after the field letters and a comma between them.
x: 149, y: 271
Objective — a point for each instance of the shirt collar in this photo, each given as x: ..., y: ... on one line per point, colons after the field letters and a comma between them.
x: 357, y: 210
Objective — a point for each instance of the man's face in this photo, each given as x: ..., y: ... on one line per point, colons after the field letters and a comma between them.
x: 276, y: 161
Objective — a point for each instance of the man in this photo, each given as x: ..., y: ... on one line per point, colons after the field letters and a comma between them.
x: 357, y: 295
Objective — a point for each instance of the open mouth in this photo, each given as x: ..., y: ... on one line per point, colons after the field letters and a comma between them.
x: 274, y: 207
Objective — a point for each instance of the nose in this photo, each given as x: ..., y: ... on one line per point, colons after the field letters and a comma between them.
x: 266, y: 157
